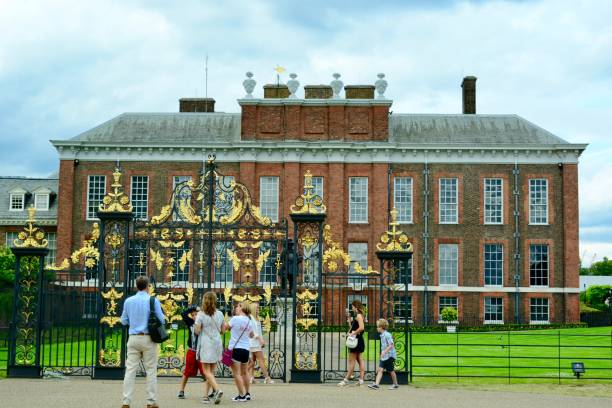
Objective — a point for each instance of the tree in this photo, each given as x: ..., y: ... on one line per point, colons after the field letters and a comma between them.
x: 600, y: 268
x: 596, y: 296
x: 7, y: 279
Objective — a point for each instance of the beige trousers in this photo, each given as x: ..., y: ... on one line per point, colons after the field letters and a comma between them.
x: 140, y: 348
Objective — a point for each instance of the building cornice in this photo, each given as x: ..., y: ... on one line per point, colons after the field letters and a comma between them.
x: 21, y: 222
x: 321, y: 152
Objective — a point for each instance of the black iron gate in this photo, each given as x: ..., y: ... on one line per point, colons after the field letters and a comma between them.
x: 210, y: 237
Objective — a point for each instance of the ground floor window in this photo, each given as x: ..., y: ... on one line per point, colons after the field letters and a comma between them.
x: 539, y: 310
x: 402, y: 308
x: 493, y: 310
x: 447, y: 301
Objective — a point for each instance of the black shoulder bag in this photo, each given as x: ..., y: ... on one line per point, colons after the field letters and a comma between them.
x: 157, y: 330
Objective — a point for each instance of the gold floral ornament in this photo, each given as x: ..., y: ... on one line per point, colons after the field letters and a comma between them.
x: 308, y: 202
x: 111, y: 318
x: 31, y: 236
x: 394, y: 240
x: 116, y: 200
x: 333, y: 256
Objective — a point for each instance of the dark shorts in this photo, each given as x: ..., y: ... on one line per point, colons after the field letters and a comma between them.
x: 240, y: 355
x: 388, y: 364
x: 192, y: 366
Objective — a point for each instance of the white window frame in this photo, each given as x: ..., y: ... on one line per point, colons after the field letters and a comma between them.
x: 269, y: 197
x: 484, y: 257
x: 9, y: 237
x: 404, y: 209
x: 22, y: 195
x: 456, y: 306
x: 488, y: 196
x: 38, y: 197
x: 443, y: 206
x: 318, y: 182
x: 136, y: 202
x: 445, y: 263
x: 536, y: 206
x: 360, y: 206
x: 88, y: 202
x: 357, y: 247
x: 269, y: 264
x: 547, y: 266
x: 490, y: 321
x: 531, y: 305
x: 399, y: 300
x: 52, y: 246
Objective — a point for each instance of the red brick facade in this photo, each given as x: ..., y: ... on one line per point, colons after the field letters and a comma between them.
x: 325, y: 121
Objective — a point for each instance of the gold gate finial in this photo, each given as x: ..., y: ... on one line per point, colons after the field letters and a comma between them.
x: 31, y: 236
x: 308, y: 202
x: 116, y: 200
x: 394, y: 239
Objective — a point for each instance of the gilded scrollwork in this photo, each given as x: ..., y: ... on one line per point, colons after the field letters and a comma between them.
x: 308, y: 202
x: 394, y: 240
x: 111, y: 296
x: 116, y: 200
x: 31, y: 236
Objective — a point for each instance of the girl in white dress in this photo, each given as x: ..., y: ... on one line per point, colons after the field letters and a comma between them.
x: 257, y: 344
x: 210, y: 326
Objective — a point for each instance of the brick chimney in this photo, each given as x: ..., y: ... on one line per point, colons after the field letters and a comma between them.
x: 280, y: 91
x: 318, y: 92
x: 469, y: 94
x: 196, y: 105
x: 359, y: 91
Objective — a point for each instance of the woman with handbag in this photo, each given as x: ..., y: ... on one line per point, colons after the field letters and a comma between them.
x: 209, y: 327
x: 241, y: 328
x: 355, y: 343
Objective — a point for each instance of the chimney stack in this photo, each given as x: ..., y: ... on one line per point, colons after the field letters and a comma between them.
x: 469, y: 95
x: 276, y: 91
x: 196, y: 105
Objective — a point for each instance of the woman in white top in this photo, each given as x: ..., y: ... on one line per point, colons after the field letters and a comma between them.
x: 241, y: 328
x: 257, y: 344
x: 210, y: 326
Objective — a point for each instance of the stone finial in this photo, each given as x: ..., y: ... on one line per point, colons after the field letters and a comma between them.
x: 336, y: 85
x: 293, y: 85
x: 249, y: 85
x: 381, y: 86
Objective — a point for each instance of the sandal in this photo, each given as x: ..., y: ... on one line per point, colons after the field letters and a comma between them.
x: 343, y: 383
x: 268, y: 381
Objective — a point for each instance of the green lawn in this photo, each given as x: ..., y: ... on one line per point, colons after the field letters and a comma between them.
x: 477, y: 356
x: 519, y: 354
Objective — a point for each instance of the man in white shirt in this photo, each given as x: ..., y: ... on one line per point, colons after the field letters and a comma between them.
x: 140, y: 346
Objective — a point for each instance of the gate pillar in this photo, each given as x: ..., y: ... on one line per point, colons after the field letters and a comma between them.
x: 308, y: 216
x: 25, y: 334
x: 114, y: 281
x: 394, y: 252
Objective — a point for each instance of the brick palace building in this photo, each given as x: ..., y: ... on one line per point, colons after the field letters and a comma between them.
x: 490, y: 202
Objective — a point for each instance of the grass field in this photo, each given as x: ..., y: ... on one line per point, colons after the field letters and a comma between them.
x: 477, y: 356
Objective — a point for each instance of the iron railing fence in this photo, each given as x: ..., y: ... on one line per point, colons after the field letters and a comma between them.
x: 510, y: 355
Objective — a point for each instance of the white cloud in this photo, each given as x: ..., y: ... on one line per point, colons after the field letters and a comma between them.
x: 66, y: 66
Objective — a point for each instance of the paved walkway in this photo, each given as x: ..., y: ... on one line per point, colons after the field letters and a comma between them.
x: 78, y: 392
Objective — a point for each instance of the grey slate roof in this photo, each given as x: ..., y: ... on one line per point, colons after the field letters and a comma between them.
x: 199, y: 128
x: 30, y: 185
x: 468, y: 129
x: 156, y: 128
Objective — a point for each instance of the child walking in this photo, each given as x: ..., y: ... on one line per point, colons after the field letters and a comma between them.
x: 387, y: 356
x: 192, y: 365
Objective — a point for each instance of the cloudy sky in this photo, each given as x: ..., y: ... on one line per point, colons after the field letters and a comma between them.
x: 66, y: 66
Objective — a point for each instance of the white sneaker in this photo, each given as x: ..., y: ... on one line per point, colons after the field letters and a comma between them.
x: 343, y: 383
x: 394, y: 387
